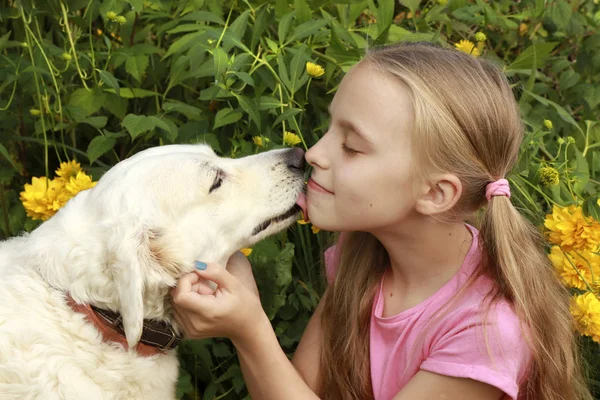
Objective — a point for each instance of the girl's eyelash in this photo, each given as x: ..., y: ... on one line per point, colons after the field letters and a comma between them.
x: 348, y: 149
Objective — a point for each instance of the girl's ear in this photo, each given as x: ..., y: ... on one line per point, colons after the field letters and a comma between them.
x: 440, y: 195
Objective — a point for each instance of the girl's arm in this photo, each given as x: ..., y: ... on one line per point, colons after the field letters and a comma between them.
x: 268, y: 372
x: 234, y: 311
x: 428, y: 385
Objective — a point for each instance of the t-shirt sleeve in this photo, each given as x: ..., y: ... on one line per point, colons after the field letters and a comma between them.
x: 500, y: 358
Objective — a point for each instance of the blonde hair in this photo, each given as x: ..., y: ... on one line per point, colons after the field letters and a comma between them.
x: 467, y: 122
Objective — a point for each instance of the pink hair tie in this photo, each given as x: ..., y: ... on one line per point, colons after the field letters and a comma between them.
x: 498, y: 188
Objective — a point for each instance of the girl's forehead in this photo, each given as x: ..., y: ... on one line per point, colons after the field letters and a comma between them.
x: 373, y: 99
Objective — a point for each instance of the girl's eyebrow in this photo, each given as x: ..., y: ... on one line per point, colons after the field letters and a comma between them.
x: 352, y: 127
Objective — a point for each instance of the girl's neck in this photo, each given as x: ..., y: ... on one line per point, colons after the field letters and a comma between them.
x: 424, y: 255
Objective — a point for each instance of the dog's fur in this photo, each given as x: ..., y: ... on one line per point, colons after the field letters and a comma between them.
x: 121, y: 246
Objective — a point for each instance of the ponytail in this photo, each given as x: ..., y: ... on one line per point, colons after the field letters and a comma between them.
x: 513, y: 255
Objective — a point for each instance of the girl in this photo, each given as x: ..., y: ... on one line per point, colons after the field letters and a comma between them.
x: 420, y: 305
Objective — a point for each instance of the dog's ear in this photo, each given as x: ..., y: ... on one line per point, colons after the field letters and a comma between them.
x: 128, y: 279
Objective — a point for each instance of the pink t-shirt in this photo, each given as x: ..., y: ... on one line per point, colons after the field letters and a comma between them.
x: 453, y: 345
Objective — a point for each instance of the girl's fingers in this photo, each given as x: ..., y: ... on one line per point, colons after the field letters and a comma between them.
x: 217, y: 274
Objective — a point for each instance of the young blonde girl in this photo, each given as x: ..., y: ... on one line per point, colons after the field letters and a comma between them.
x: 420, y: 304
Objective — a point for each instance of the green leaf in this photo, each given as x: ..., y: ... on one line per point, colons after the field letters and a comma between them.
x: 568, y: 79
x: 110, y: 81
x: 284, y: 26
x: 220, y: 64
x: 581, y: 174
x: 385, y: 15
x: 210, y: 393
x: 184, y: 384
x: 268, y: 103
x: 303, y: 11
x: 226, y: 116
x: 560, y: 13
x: 6, y: 155
x: 239, y: 26
x: 136, y: 66
x: 190, y: 112
x: 259, y: 26
x: 138, y: 124
x: 134, y: 93
x: 413, y: 5
x: 283, y: 72
x: 273, y: 272
x: 187, y: 28
x: 281, y: 8
x: 136, y: 5
x: 298, y: 77
x: 250, y: 107
x: 564, y: 115
x: 210, y: 139
x: 183, y: 43
x: 307, y: 29
x: 99, y: 146
x: 96, y: 122
x: 205, y: 16
x: 534, y: 56
x: 4, y: 40
x: 89, y: 101
x: 245, y: 77
x: 286, y: 115
x: 159, y: 123
x: 232, y: 371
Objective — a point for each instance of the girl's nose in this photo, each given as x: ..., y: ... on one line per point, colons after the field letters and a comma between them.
x: 316, y: 155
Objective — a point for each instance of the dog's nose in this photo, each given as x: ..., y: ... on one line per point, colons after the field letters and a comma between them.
x: 294, y: 158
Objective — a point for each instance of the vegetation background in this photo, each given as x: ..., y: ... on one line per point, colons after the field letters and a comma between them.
x: 97, y: 81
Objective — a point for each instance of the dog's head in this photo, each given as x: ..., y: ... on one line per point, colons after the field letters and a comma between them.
x: 168, y: 206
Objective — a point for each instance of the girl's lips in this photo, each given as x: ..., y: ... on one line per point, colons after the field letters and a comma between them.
x: 316, y: 187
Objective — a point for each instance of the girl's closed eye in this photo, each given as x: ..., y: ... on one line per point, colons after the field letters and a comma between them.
x: 349, y: 150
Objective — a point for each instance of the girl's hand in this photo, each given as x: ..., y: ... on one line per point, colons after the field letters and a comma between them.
x: 231, y: 311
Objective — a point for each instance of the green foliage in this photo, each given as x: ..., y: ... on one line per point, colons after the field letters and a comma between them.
x: 75, y: 83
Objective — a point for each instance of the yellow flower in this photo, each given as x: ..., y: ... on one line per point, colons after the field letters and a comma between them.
x: 80, y: 182
x: 571, y: 230
x: 258, y: 141
x: 291, y: 138
x: 522, y: 29
x: 42, y: 198
x: 548, y: 123
x: 585, y: 309
x: 111, y: 15
x: 466, y: 46
x: 66, y: 56
x: 34, y: 112
x: 314, y: 70
x: 313, y: 228
x: 246, y: 251
x: 121, y: 19
x: 67, y: 170
x: 480, y: 37
x: 549, y: 176
x: 575, y: 269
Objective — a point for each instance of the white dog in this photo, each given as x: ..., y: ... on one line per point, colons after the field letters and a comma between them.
x: 119, y: 248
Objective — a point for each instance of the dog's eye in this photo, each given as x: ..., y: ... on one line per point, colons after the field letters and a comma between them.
x: 217, y: 182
